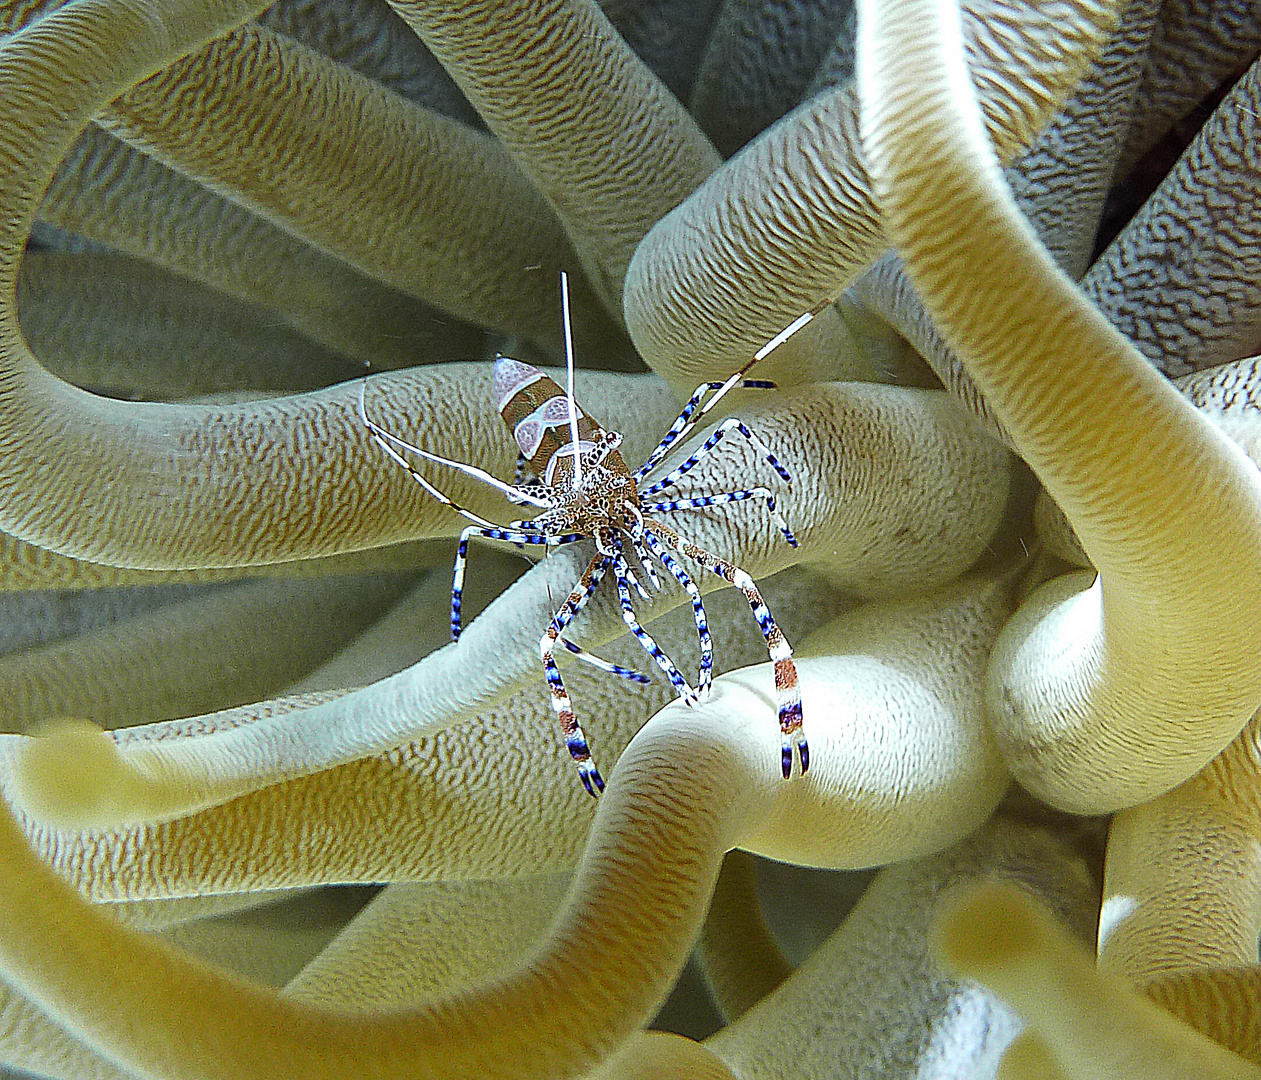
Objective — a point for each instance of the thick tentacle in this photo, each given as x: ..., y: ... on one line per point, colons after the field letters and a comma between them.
x: 791, y: 221
x: 1087, y: 722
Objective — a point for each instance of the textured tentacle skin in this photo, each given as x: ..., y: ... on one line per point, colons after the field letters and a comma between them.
x: 1088, y: 1025
x: 1227, y: 395
x: 196, y: 655
x: 1222, y: 1003
x: 172, y: 482
x: 459, y: 805
x: 568, y: 118
x: 744, y: 256
x: 1196, y: 237
x: 25, y: 566
x: 1059, y: 183
x: 941, y: 486
x: 1085, y: 721
x: 693, y: 783
x: 1183, y: 873
x: 269, y: 941
x: 416, y: 943
x: 496, y: 1032
x: 893, y: 1013
x: 119, y: 326
x: 1198, y: 44
x: 107, y: 191
x: 758, y: 64
x: 421, y: 202
x: 369, y: 36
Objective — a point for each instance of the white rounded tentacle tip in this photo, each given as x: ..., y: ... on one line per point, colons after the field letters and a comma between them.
x: 70, y: 775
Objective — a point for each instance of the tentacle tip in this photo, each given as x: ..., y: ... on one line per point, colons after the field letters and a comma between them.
x: 70, y: 775
x: 985, y: 927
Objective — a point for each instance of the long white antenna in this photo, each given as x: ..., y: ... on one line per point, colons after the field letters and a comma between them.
x: 762, y: 353
x: 569, y: 367
x: 784, y: 335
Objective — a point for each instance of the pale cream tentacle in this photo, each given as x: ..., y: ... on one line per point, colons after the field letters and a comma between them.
x: 692, y: 783
x: 118, y: 326
x: 1092, y: 1025
x: 369, y: 36
x: 591, y: 103
x: 1184, y: 872
x: 419, y: 942
x: 196, y: 655
x: 738, y: 955
x: 415, y: 626
x: 171, y: 485
x: 493, y: 797
x: 25, y: 566
x: 413, y: 198
x: 1085, y: 720
x: 107, y: 191
x: 892, y: 1012
x: 660, y: 1055
x: 1059, y: 183
x: 1222, y: 1003
x: 1228, y: 395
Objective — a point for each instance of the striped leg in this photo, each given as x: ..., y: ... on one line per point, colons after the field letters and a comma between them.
x: 688, y: 419
x: 787, y: 689
x: 680, y: 684
x: 727, y: 425
x: 491, y: 532
x: 706, y: 676
x: 571, y: 730
x: 646, y: 563
x: 605, y: 665
x: 726, y: 497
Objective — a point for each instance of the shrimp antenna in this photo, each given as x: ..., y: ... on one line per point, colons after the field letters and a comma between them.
x: 569, y: 367
x: 762, y: 353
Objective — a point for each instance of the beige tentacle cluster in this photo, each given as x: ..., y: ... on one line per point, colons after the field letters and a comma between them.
x: 526, y: 931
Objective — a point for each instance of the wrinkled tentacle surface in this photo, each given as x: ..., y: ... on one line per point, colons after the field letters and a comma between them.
x: 1070, y: 724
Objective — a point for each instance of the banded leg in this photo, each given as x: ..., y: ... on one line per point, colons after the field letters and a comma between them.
x: 706, y: 676
x: 727, y: 425
x: 571, y: 730
x: 591, y: 658
x: 688, y: 419
x: 622, y: 572
x: 605, y: 665
x: 491, y: 532
x: 727, y: 497
x: 787, y: 688
x: 646, y: 563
